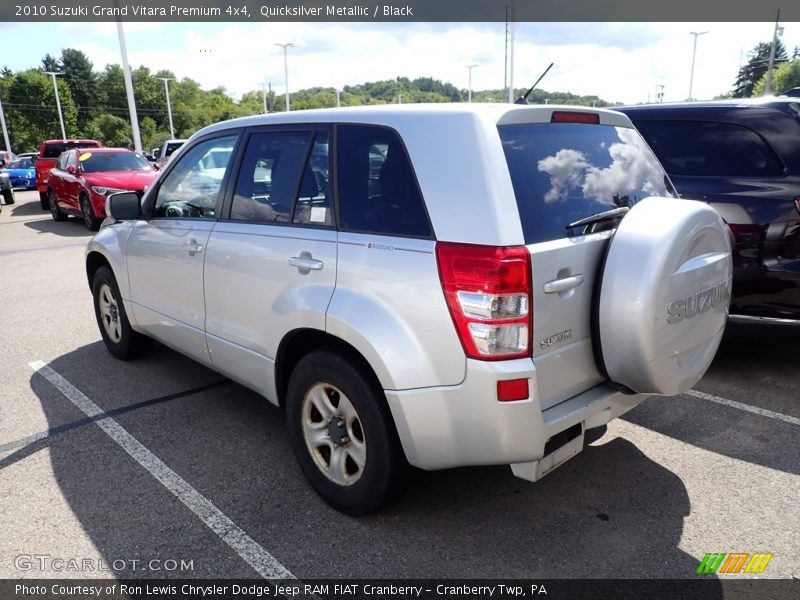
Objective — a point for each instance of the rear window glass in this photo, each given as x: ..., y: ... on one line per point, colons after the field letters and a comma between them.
x: 709, y: 148
x: 55, y: 150
x: 378, y: 190
x: 564, y: 172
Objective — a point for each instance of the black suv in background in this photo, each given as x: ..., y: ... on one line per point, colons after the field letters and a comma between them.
x: 743, y: 158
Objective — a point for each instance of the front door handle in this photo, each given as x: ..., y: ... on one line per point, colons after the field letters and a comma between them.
x: 306, y: 262
x: 192, y: 247
x: 563, y: 284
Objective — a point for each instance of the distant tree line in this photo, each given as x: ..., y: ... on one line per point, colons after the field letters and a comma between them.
x: 752, y: 77
x: 94, y: 102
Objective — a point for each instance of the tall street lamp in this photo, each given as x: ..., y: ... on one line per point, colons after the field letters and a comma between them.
x: 696, y: 34
x: 469, y: 92
x: 166, y: 81
x: 53, y: 74
x: 286, y: 69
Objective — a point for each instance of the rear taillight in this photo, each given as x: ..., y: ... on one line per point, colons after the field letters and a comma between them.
x: 488, y: 291
x: 569, y: 116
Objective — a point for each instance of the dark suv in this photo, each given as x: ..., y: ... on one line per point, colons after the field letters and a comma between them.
x: 743, y: 158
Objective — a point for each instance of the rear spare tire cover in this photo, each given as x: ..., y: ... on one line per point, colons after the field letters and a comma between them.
x: 664, y: 296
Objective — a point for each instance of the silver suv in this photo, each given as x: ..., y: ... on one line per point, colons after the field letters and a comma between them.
x: 436, y: 286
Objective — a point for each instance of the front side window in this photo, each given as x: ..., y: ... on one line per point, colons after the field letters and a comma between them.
x: 709, y: 148
x: 564, y: 172
x: 378, y: 191
x: 191, y: 189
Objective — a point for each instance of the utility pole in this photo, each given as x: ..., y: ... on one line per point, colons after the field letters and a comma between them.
x: 5, y: 129
x: 166, y: 81
x: 53, y: 74
x: 778, y: 31
x: 126, y: 69
x: 264, y: 94
x: 696, y: 34
x: 286, y: 70
x: 511, y: 56
x: 469, y: 93
x: 338, y: 100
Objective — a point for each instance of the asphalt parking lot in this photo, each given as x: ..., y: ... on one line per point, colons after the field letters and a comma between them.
x: 144, y: 466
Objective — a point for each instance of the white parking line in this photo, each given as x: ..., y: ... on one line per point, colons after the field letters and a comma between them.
x: 746, y: 407
x: 251, y: 551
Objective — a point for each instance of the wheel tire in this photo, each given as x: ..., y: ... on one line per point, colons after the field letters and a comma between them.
x: 55, y: 210
x: 44, y: 201
x: 337, y: 384
x: 120, y: 340
x: 8, y: 196
x: 89, y: 219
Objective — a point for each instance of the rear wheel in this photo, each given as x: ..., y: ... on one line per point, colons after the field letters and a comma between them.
x: 342, y: 433
x: 44, y: 201
x: 55, y: 210
x: 8, y: 196
x: 92, y: 222
x: 120, y: 340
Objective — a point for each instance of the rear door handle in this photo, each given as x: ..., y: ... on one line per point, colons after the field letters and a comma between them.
x: 562, y: 285
x: 305, y: 262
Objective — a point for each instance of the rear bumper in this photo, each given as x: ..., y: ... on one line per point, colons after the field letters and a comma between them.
x: 465, y: 425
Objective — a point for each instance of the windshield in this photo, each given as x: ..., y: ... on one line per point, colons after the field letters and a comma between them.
x: 23, y: 163
x: 113, y: 161
x: 564, y: 172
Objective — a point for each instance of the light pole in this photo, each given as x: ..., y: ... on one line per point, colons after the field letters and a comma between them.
x: 469, y: 93
x: 778, y: 31
x: 126, y: 72
x: 286, y: 69
x: 53, y: 74
x: 166, y: 81
x: 696, y: 34
x: 338, y: 99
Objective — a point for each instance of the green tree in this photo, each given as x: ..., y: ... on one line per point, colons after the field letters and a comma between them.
x: 82, y: 81
x: 31, y: 109
x: 110, y: 130
x: 785, y: 77
x: 756, y: 67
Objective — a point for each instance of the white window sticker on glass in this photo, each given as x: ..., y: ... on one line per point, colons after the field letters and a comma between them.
x: 318, y: 214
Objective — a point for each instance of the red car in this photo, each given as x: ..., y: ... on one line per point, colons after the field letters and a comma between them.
x: 83, y: 177
x: 48, y: 155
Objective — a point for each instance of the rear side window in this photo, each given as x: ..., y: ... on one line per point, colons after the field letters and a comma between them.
x: 279, y: 178
x: 563, y: 172
x: 378, y: 192
x: 710, y: 148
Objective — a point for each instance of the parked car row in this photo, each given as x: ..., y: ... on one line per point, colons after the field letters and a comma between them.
x: 449, y: 285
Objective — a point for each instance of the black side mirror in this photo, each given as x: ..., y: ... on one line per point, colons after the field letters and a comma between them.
x: 123, y: 206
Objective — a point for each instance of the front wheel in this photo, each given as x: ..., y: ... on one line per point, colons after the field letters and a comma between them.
x: 120, y: 340
x: 92, y: 222
x: 342, y: 433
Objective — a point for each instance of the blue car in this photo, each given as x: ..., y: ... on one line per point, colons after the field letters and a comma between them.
x: 22, y: 174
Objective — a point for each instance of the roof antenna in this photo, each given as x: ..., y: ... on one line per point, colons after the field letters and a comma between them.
x: 524, y: 99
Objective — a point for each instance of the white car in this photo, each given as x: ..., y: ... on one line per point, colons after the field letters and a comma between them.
x: 433, y: 285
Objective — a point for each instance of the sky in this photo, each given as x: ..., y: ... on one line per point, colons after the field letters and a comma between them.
x: 619, y: 62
